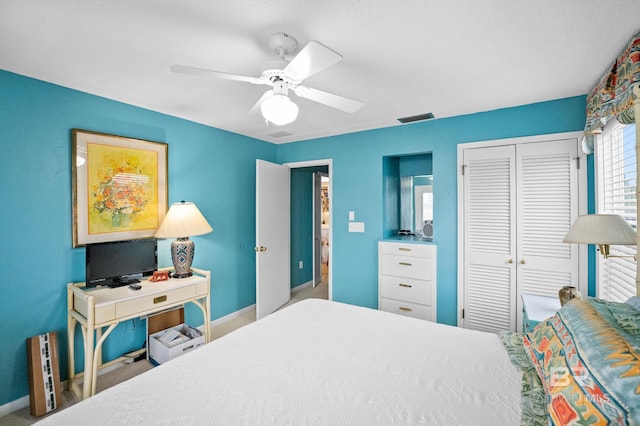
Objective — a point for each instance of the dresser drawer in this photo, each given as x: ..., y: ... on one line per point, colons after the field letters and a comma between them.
x: 412, y: 250
x: 406, y: 289
x: 404, y: 266
x: 154, y: 301
x: 407, y: 309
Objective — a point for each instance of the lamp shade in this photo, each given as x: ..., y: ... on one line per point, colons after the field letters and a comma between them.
x: 601, y: 229
x: 279, y: 109
x: 183, y: 220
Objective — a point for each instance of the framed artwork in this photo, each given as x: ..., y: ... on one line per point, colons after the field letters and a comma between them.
x: 119, y: 187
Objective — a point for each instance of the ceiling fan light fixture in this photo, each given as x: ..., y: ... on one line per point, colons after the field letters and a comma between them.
x: 279, y: 110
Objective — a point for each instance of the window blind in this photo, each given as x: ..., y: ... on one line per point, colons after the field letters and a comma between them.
x: 616, y: 194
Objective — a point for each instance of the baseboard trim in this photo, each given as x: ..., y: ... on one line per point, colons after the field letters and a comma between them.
x: 15, y: 405
x: 301, y: 287
x: 231, y: 316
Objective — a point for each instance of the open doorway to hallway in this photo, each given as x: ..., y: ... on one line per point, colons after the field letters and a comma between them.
x: 311, y: 228
x: 321, y: 225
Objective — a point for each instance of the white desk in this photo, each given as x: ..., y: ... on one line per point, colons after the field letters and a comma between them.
x: 99, y: 310
x: 537, y: 309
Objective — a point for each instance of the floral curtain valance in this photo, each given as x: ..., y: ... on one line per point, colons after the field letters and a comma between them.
x: 613, y: 94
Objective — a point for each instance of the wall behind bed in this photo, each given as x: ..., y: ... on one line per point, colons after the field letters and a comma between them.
x: 357, y: 182
x: 213, y: 168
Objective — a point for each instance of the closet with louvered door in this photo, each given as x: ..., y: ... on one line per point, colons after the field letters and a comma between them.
x: 519, y: 201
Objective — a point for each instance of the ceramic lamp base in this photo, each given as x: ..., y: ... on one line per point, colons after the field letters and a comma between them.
x: 182, y: 251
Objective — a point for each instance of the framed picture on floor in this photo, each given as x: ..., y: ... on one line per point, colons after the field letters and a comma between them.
x: 119, y: 187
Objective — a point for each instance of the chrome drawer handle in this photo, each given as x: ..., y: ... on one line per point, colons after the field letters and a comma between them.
x: 404, y: 249
x: 405, y: 263
x: 160, y: 299
x: 404, y: 285
x: 402, y: 308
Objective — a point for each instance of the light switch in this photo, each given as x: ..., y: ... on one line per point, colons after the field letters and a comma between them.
x: 356, y: 226
x: 352, y: 215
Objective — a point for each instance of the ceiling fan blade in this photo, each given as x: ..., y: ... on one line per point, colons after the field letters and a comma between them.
x: 329, y: 99
x: 201, y: 72
x: 313, y: 58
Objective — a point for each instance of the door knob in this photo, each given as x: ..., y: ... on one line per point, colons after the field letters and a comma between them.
x: 510, y: 261
x: 261, y: 248
x: 522, y: 262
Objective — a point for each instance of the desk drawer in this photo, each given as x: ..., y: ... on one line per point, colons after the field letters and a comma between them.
x: 407, y: 309
x: 103, y: 313
x: 142, y: 304
x: 410, y: 267
x: 406, y: 289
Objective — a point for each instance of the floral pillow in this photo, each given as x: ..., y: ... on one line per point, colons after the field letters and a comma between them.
x: 588, y: 359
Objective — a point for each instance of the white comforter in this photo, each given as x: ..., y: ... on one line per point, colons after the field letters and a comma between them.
x: 321, y: 363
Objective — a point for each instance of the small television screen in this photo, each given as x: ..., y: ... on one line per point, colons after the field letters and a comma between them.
x: 120, y: 263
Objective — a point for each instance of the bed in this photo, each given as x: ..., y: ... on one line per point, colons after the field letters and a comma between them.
x: 326, y: 363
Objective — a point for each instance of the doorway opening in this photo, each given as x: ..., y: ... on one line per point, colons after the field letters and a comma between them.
x: 321, y: 227
x: 313, y: 237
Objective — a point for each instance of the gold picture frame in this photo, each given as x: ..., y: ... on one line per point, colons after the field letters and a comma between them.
x: 119, y: 187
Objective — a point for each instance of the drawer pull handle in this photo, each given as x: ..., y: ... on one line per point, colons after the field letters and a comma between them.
x: 405, y: 285
x: 404, y: 249
x: 405, y: 263
x: 402, y: 308
x: 187, y: 348
x: 160, y: 299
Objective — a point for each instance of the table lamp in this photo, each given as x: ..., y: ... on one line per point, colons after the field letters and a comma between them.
x: 183, y: 220
x: 603, y: 230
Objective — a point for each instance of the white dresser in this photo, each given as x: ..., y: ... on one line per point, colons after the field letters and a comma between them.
x: 407, y: 279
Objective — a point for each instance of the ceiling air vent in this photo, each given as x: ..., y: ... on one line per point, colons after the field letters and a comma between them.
x: 280, y: 134
x: 413, y: 118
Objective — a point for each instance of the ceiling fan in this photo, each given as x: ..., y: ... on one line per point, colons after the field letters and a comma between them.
x: 283, y: 75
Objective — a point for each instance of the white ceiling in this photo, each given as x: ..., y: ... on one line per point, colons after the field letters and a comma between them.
x: 401, y: 58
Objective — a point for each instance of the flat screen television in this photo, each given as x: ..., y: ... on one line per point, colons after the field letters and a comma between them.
x: 119, y: 263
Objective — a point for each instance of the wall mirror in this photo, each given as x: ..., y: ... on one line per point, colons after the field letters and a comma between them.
x: 408, y: 195
x: 416, y: 204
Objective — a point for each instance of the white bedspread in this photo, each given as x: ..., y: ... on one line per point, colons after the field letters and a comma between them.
x: 321, y: 363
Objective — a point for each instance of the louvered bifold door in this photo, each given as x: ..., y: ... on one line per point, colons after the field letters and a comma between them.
x: 547, y: 204
x: 489, y: 238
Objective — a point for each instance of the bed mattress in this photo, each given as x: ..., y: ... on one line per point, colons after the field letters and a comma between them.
x: 321, y: 363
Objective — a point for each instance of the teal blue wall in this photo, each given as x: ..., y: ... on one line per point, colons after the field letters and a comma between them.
x: 216, y: 170
x: 358, y: 185
x: 416, y: 165
x: 213, y: 168
x: 390, y: 196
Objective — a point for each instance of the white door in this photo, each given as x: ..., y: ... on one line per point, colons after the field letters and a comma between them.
x: 520, y: 201
x: 273, y: 244
x: 490, y: 238
x: 547, y: 204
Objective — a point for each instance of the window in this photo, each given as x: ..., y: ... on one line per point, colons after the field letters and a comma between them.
x: 616, y: 194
